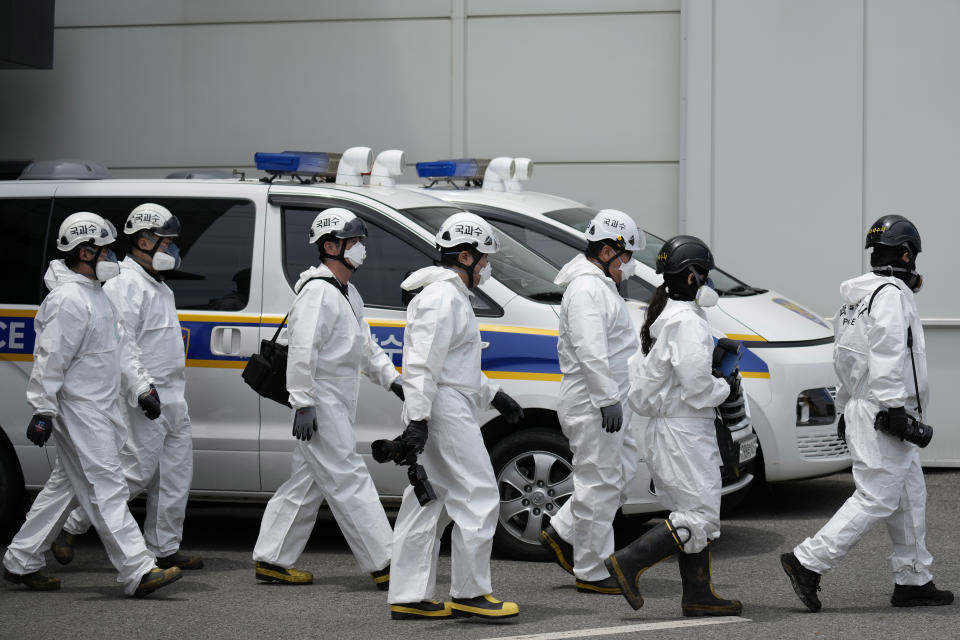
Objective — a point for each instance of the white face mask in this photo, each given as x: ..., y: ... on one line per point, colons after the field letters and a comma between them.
x: 485, y: 273
x: 707, y: 297
x: 167, y: 259
x: 355, y: 254
x: 628, y: 270
x: 108, y: 268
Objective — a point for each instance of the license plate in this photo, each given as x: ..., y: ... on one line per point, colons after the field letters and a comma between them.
x: 748, y: 449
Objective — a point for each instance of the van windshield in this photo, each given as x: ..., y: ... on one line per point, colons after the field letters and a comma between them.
x: 515, y: 266
x: 725, y: 284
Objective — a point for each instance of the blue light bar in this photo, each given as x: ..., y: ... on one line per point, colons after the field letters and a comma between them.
x: 276, y: 162
x: 298, y: 162
x: 460, y: 168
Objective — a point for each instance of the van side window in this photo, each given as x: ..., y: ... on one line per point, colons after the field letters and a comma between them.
x: 23, y: 227
x: 216, y: 245
x: 555, y: 251
x: 389, y: 258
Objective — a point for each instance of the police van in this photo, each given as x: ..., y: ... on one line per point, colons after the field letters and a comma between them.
x: 244, y: 244
x: 787, y: 366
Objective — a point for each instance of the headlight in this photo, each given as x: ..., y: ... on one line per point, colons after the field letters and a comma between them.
x: 815, y: 407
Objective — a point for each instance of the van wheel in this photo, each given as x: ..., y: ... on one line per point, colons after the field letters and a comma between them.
x: 534, y: 478
x: 13, y: 495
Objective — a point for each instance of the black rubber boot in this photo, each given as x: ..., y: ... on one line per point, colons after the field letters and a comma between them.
x: 560, y: 550
x: 607, y: 586
x: 628, y: 564
x: 36, y: 580
x: 926, y: 595
x: 699, y: 598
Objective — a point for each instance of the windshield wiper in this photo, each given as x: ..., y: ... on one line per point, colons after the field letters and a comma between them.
x: 741, y: 290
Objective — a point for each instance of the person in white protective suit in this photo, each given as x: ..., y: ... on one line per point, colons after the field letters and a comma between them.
x: 329, y: 346
x: 445, y: 388
x: 158, y: 454
x: 82, y: 371
x: 880, y: 358
x: 673, y: 382
x: 596, y: 340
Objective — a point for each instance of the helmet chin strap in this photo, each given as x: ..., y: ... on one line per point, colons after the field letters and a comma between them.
x: 605, y: 264
x: 339, y: 256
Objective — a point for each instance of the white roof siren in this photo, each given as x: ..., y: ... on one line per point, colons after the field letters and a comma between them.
x: 354, y: 162
x: 524, y: 171
x: 387, y: 165
x: 498, y: 172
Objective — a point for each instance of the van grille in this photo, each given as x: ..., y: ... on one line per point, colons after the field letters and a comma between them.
x: 824, y: 445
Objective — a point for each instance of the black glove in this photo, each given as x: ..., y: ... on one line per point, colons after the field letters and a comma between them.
x: 897, y: 421
x: 842, y: 429
x: 612, y: 417
x: 734, y: 381
x: 508, y: 407
x: 396, y: 388
x: 414, y: 437
x: 150, y: 403
x: 304, y: 423
x: 39, y: 429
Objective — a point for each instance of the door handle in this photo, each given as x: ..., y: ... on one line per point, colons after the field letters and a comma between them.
x: 484, y: 344
x: 225, y: 341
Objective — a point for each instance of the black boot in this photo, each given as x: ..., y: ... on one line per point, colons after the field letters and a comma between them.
x: 926, y: 595
x: 699, y: 598
x: 629, y: 563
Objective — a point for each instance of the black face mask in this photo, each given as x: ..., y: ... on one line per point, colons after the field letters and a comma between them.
x: 909, y: 277
x: 888, y: 261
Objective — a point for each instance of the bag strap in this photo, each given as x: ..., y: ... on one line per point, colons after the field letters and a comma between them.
x: 876, y: 291
x: 284, y: 321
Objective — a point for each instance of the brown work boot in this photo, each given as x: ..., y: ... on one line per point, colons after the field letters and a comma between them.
x: 62, y: 547
x: 156, y: 578
x: 36, y: 580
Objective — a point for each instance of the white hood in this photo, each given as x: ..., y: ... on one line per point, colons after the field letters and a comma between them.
x: 579, y: 265
x: 313, y: 272
x: 428, y: 275
x: 856, y: 289
x: 58, y: 273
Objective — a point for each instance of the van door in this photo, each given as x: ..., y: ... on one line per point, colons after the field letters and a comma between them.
x: 220, y: 320
x: 392, y: 253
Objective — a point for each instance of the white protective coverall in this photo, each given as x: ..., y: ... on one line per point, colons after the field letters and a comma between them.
x: 872, y: 360
x: 80, y: 366
x: 673, y: 384
x: 329, y: 346
x: 444, y: 385
x: 158, y: 454
x: 596, y: 340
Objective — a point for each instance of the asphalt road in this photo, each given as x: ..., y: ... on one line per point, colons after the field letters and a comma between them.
x: 224, y: 600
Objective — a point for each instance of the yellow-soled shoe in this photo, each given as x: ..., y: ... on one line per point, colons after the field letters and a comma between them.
x: 608, y: 586
x: 485, y: 606
x: 62, y: 547
x: 381, y: 578
x: 156, y: 578
x: 272, y: 573
x: 560, y: 550
x: 423, y: 610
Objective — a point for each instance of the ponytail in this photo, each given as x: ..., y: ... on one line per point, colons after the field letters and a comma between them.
x: 657, y: 303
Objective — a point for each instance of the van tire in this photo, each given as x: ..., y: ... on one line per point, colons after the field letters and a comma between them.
x: 13, y: 494
x: 538, y: 460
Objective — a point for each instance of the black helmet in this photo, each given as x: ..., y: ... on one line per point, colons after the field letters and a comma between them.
x: 680, y: 252
x: 893, y: 231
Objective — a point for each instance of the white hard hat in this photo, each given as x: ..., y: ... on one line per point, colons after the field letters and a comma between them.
x: 82, y: 227
x: 610, y: 224
x: 154, y: 218
x: 341, y: 223
x: 470, y: 229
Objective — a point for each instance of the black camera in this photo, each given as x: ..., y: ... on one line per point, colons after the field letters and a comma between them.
x: 395, y: 451
x: 909, y: 429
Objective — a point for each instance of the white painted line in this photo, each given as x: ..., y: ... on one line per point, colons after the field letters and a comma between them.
x: 630, y: 628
